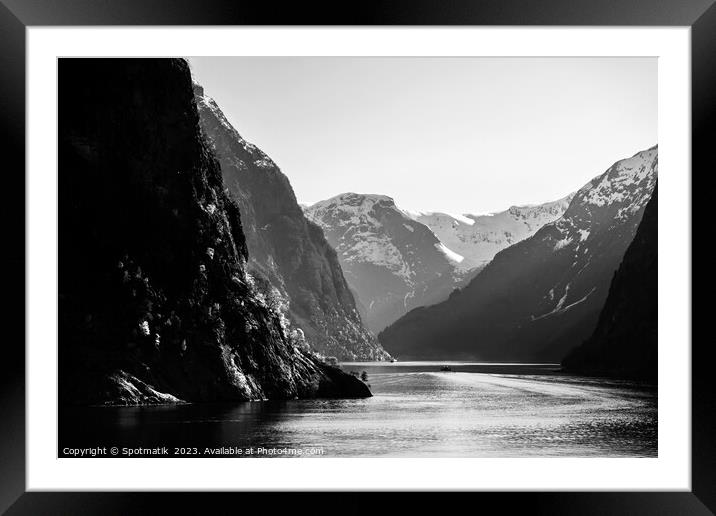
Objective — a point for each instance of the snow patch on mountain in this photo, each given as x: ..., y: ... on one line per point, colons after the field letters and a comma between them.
x: 560, y: 244
x: 379, y: 251
x: 452, y: 255
x: 560, y: 308
x: 462, y: 218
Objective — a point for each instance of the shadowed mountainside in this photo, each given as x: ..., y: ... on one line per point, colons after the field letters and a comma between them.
x: 624, y: 342
x: 155, y: 304
x: 538, y: 298
x: 286, y: 251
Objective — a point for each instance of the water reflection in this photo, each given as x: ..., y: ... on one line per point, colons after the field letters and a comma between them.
x: 477, y: 410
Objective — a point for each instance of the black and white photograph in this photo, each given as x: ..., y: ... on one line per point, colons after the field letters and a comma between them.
x: 321, y: 257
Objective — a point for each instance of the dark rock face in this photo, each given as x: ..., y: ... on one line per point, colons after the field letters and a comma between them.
x: 286, y: 251
x: 624, y: 343
x: 155, y: 304
x: 540, y: 297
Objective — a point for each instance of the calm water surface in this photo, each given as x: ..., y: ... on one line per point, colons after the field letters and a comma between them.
x: 475, y: 410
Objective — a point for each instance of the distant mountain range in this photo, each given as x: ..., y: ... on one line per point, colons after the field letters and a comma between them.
x: 288, y: 255
x: 539, y: 297
x: 478, y: 238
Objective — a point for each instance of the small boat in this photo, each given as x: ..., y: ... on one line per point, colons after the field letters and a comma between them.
x: 445, y: 368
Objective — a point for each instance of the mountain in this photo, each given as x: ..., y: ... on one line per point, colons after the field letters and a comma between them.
x: 539, y: 297
x: 478, y: 238
x: 392, y: 262
x: 155, y: 301
x: 624, y: 343
x: 288, y: 253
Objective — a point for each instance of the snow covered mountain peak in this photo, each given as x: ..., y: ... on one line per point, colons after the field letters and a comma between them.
x: 478, y: 238
x: 356, y: 199
x: 367, y: 224
x: 607, y: 201
x: 392, y: 262
x: 630, y: 180
x: 354, y: 203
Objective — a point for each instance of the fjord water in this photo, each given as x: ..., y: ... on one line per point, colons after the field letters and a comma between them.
x: 418, y: 410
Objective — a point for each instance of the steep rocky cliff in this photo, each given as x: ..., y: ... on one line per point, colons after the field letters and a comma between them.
x: 287, y: 251
x: 540, y: 297
x: 624, y: 343
x: 155, y: 302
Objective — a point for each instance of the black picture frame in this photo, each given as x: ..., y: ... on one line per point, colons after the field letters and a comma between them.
x: 17, y: 15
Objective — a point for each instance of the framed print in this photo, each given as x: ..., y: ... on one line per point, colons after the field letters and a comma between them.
x: 417, y: 248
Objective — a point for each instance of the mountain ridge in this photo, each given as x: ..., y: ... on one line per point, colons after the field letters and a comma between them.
x: 479, y: 237
x: 538, y: 297
x: 288, y: 253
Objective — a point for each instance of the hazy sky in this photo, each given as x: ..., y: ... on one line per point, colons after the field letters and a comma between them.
x: 460, y: 135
